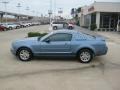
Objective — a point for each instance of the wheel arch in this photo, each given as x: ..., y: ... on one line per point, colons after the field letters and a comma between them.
x: 88, y: 48
x: 22, y: 48
x: 55, y: 27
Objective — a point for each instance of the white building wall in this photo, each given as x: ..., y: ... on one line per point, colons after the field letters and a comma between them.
x: 107, y: 6
x: 102, y: 7
x: 98, y: 20
x: 99, y: 7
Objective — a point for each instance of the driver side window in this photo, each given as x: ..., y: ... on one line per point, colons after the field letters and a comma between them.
x: 59, y: 37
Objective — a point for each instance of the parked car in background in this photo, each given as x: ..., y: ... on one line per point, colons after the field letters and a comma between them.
x: 70, y: 26
x: 58, y: 25
x: 18, y: 25
x: 30, y: 24
x: 9, y: 26
x: 36, y: 23
x: 2, y: 28
x: 61, y: 43
x: 22, y: 25
x: 26, y: 24
x: 4, y: 25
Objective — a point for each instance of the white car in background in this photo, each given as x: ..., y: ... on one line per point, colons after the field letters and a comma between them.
x: 58, y: 25
x: 26, y: 24
x: 10, y: 26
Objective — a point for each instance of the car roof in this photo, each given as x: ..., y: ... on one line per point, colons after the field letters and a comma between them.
x: 66, y: 31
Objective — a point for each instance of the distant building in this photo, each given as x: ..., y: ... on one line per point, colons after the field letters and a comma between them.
x: 104, y: 14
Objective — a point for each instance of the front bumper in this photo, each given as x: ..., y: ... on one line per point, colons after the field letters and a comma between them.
x: 13, y: 51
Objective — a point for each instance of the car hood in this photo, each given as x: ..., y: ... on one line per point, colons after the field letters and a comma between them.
x: 28, y: 41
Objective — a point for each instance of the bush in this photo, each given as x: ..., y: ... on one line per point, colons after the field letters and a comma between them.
x: 93, y: 27
x: 78, y: 23
x: 85, y: 27
x: 36, y: 34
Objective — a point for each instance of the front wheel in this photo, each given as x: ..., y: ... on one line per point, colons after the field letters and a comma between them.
x: 24, y: 54
x: 85, y: 56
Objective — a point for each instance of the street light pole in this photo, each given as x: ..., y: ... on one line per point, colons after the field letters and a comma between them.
x: 55, y: 10
x: 5, y: 4
x: 50, y: 11
x: 60, y: 12
x: 19, y: 6
x: 33, y: 12
x: 27, y: 9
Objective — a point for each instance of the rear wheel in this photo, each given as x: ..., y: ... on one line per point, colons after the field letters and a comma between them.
x: 17, y: 27
x: 10, y: 28
x: 85, y: 55
x: 55, y: 28
x: 70, y: 27
x: 24, y: 54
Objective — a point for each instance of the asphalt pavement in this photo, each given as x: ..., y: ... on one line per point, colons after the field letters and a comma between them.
x: 58, y: 74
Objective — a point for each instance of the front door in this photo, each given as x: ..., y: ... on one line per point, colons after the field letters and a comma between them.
x: 56, y: 44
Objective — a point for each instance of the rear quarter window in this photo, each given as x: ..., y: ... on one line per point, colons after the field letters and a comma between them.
x: 83, y: 37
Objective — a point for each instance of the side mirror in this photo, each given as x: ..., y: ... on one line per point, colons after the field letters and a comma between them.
x: 39, y: 38
x: 47, y: 41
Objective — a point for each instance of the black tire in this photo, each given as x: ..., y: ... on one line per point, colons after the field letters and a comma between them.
x: 85, y: 59
x: 17, y: 27
x: 5, y: 29
x: 70, y: 27
x: 10, y: 28
x: 28, y: 58
x: 2, y: 29
x: 55, y: 28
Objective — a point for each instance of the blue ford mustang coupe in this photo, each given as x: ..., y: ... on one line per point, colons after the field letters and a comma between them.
x: 61, y: 43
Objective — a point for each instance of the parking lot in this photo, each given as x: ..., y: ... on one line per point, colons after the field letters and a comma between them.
x: 57, y: 74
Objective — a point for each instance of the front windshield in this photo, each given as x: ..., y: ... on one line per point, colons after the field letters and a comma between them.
x: 47, y: 35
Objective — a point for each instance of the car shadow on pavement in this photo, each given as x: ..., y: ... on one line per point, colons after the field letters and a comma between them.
x: 66, y: 59
x: 54, y: 59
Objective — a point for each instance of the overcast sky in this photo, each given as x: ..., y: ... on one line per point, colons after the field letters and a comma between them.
x: 39, y: 7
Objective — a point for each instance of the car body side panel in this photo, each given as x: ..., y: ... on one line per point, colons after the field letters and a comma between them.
x: 52, y: 48
x: 64, y: 48
x: 76, y: 46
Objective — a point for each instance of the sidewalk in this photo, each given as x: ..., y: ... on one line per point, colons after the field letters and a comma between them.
x: 111, y: 36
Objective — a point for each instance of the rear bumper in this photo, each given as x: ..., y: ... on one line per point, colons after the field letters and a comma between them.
x: 102, y: 51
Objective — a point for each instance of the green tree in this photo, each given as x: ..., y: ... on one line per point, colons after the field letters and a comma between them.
x: 79, y: 9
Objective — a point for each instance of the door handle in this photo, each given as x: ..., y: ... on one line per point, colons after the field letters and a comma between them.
x: 66, y: 43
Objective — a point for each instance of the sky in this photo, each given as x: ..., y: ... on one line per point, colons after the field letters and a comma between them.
x: 38, y: 7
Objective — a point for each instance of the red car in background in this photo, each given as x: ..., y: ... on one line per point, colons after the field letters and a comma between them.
x: 71, y: 25
x: 2, y: 28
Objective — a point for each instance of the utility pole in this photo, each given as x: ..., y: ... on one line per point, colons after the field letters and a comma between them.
x: 50, y: 11
x: 27, y: 9
x: 60, y: 12
x: 0, y: 15
x: 33, y: 12
x: 19, y: 6
x: 55, y: 10
x: 5, y: 4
